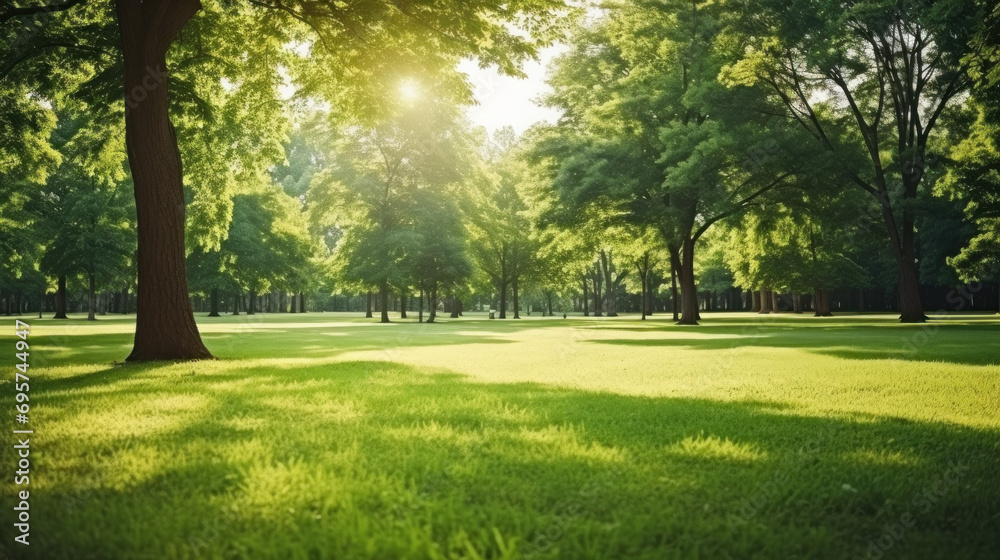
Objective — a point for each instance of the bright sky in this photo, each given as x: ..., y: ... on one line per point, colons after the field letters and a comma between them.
x: 507, y: 101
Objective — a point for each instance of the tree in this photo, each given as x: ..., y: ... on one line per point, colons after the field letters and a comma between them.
x: 651, y: 136
x: 891, y: 68
x: 381, y: 33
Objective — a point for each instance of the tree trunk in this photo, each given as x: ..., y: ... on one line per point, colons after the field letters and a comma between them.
x: 420, y: 306
x: 503, y: 302
x: 797, y: 303
x: 598, y: 300
x: 765, y: 301
x: 368, y: 309
x: 252, y: 303
x: 822, y: 303
x: 402, y: 305
x: 432, y: 303
x: 61, y: 298
x: 236, y: 303
x: 384, y: 302
x: 548, y: 297
x: 302, y: 302
x: 517, y: 306
x: 456, y: 306
x: 214, y: 312
x: 585, y: 302
x: 775, y: 300
x: 91, y: 299
x: 165, y: 326
x: 673, y: 285
x: 754, y: 301
x: 689, y: 290
x: 608, y: 267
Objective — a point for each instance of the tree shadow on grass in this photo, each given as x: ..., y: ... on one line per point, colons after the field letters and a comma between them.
x: 959, y: 344
x: 382, y: 460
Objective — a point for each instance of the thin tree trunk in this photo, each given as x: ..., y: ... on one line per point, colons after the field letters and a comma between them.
x: 368, y: 308
x: 302, y: 302
x: 165, y: 325
x: 214, y: 312
x: 775, y: 300
x: 61, y: 298
x: 456, y: 305
x: 384, y: 302
x: 585, y: 302
x: 252, y: 303
x: 236, y: 303
x: 797, y: 302
x: 673, y: 285
x: 503, y: 302
x: 517, y: 306
x: 420, y: 307
x: 432, y: 303
x: 91, y: 298
x: 402, y: 305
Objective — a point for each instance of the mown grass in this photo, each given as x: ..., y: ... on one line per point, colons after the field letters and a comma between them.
x: 329, y: 436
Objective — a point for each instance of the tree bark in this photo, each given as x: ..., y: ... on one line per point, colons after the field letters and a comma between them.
x: 61, y: 298
x: 598, y: 300
x: 797, y: 303
x: 775, y: 300
x: 432, y: 303
x: 384, y: 302
x: 165, y: 326
x: 503, y: 302
x: 765, y: 301
x: 673, y: 285
x: 420, y: 306
x: 517, y: 306
x: 609, y: 286
x: 368, y: 308
x: 236, y: 303
x: 689, y: 290
x: 91, y: 299
x: 822, y: 303
x: 252, y: 303
x: 585, y: 302
x: 402, y: 305
x: 456, y: 306
x: 214, y: 311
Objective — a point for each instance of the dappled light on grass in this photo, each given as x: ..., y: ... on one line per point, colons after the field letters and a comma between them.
x: 435, y: 445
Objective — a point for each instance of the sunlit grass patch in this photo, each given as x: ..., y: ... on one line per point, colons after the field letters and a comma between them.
x: 489, y: 439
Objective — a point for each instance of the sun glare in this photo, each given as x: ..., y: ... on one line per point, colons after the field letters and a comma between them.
x: 409, y: 90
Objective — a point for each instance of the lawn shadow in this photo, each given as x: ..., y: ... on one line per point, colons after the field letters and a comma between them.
x: 383, y: 460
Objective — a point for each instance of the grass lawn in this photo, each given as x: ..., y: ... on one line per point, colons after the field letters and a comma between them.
x: 329, y: 436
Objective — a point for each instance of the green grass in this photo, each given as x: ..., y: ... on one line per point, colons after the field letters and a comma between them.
x: 328, y: 436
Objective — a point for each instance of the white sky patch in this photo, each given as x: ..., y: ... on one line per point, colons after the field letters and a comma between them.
x: 505, y: 101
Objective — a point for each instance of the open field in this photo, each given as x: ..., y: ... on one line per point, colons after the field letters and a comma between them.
x: 330, y: 436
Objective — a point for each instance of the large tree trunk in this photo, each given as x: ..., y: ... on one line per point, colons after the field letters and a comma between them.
x: 61, y: 298
x: 797, y: 303
x: 775, y: 301
x: 91, y: 299
x: 689, y: 290
x: 822, y: 303
x: 165, y: 327
x: 214, y: 311
x: 517, y: 306
x: 754, y: 301
x: 456, y: 308
x: 765, y: 301
x: 368, y: 308
x: 383, y: 302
